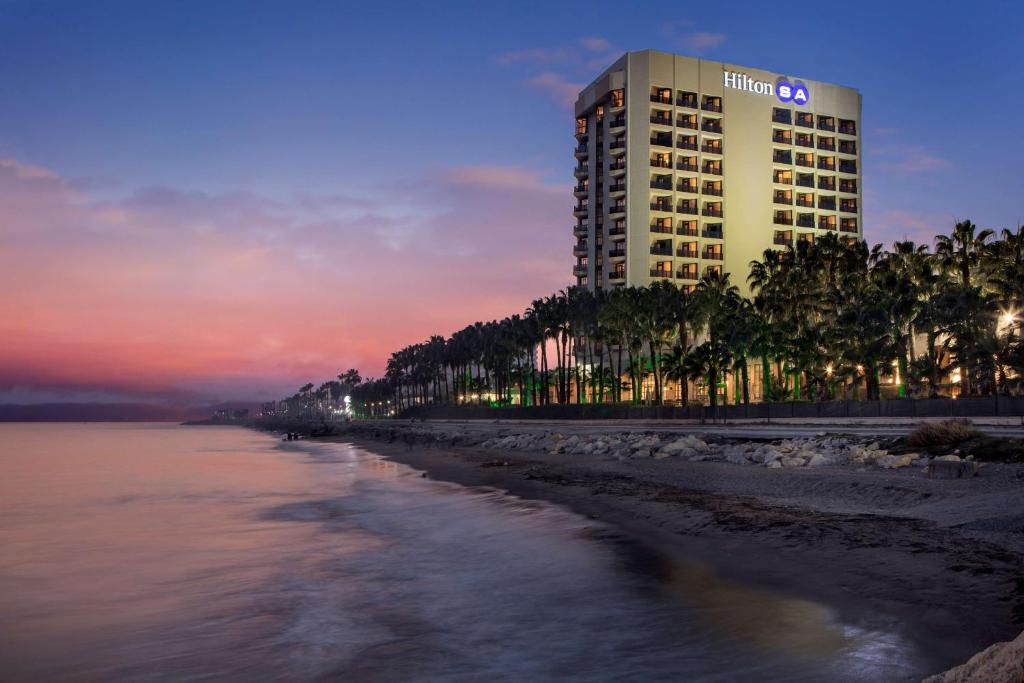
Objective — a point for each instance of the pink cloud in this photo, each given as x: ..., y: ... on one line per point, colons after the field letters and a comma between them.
x: 596, y: 44
x: 558, y: 88
x: 909, y: 159
x: 183, y: 293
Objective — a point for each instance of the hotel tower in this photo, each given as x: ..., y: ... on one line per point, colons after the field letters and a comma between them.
x: 687, y: 166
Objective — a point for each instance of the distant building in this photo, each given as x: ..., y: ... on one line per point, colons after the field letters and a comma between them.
x: 687, y: 166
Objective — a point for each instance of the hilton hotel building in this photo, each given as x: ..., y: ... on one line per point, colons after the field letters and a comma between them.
x: 687, y: 166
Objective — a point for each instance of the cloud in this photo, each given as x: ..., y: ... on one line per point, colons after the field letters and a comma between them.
x: 558, y: 88
x: 701, y: 41
x: 908, y: 159
x: 596, y: 44
x: 200, y: 296
x: 538, y: 56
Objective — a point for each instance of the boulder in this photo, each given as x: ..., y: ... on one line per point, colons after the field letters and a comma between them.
x: 891, y: 462
x: 948, y: 458
x: 1000, y: 663
x: 951, y: 469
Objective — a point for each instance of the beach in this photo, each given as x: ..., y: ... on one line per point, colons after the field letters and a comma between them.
x: 942, y: 559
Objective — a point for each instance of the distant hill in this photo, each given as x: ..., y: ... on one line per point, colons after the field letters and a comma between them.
x: 107, y: 412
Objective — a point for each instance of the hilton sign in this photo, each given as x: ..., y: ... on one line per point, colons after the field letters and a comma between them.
x: 786, y: 92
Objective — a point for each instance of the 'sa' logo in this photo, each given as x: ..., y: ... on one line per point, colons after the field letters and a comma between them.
x: 795, y: 92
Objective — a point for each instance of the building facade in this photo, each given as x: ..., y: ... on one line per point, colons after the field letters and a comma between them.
x: 687, y: 166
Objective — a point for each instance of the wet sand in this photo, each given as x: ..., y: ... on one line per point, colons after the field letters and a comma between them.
x: 887, y: 549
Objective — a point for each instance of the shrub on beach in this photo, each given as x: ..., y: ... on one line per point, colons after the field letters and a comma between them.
x: 947, y: 433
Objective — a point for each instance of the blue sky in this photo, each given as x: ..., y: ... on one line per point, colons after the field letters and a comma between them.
x: 214, y: 200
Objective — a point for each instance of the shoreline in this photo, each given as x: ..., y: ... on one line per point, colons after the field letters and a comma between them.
x: 955, y: 590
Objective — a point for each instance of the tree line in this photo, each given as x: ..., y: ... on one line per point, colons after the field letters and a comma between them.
x: 826, y: 319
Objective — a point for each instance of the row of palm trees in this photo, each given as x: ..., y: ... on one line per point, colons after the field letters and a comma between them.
x: 825, y: 319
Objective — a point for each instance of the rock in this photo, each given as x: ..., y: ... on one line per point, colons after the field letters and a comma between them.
x: 1000, y: 663
x: 891, y: 462
x: 951, y: 469
x: 775, y: 463
x: 791, y: 461
x: 818, y: 460
x: 948, y: 458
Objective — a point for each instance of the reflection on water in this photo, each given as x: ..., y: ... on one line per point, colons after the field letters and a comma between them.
x: 155, y: 552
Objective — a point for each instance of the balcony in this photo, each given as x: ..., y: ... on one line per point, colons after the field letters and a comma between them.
x: 616, y: 187
x: 617, y: 122
x: 711, y: 190
x: 687, y: 208
x: 712, y: 169
x: 782, y: 198
x: 848, y: 206
x: 687, y: 122
x: 617, y: 165
x: 662, y: 120
x: 826, y: 164
x: 847, y: 147
x: 848, y: 225
x: 805, y: 203
x: 781, y: 138
x: 687, y: 274
x: 713, y: 213
x: 826, y: 145
x: 579, y: 271
x: 581, y: 171
x: 580, y: 151
x: 711, y: 149
x: 686, y: 253
x: 617, y: 144
x: 689, y: 143
x: 661, y: 141
x: 661, y: 163
x: 616, y: 275
x: 616, y: 231
x: 805, y: 221
x: 847, y: 166
x: 661, y: 228
x: 783, y: 116
x: 782, y: 158
x: 661, y: 206
x: 805, y: 162
x: 804, y: 141
x: 665, y: 184
x: 617, y: 208
x: 685, y: 229
x: 580, y: 210
x: 657, y: 272
x: 826, y: 223
x: 580, y: 230
x: 848, y: 186
x: 686, y: 187
x: 688, y: 100
x: 580, y: 248
x: 711, y: 233
x: 686, y: 165
x: 805, y: 181
x: 827, y: 184
x: 783, y: 239
x: 847, y: 128
x: 618, y: 252
x: 711, y: 255
x: 826, y: 124
x: 805, y: 120
x: 826, y: 204
x: 661, y: 249
x: 581, y: 190
x: 782, y: 220
x: 712, y: 105
x: 710, y: 127
x: 661, y: 98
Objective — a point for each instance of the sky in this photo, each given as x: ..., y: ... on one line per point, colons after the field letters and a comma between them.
x: 219, y: 201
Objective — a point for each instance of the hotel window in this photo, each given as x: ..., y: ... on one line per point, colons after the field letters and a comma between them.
x: 661, y: 182
x: 805, y: 139
x: 782, y: 156
x: 661, y: 116
x: 712, y: 231
x: 826, y: 123
x: 805, y: 199
x: 686, y: 163
x: 827, y: 182
x: 662, y: 225
x: 687, y: 185
x: 581, y: 125
x: 712, y: 146
x: 713, y: 167
x: 848, y: 185
x: 847, y: 147
x: 805, y: 159
x: 847, y: 166
x: 712, y: 209
x: 687, y: 99
x: 783, y: 217
x: 713, y: 271
x: 848, y: 225
x: 618, y: 98
x: 620, y: 271
x: 805, y: 220
x: 827, y: 163
x: 687, y: 121
x: 783, y: 197
x: 687, y: 250
x: 805, y: 179
x: 661, y: 247
x: 827, y: 143
x: 827, y: 203
x: 826, y: 222
x: 806, y: 237
x: 781, y: 177
x: 712, y: 252
x: 661, y: 160
x: 782, y: 116
x: 661, y: 95
x: 687, y: 271
x: 782, y: 136
x: 687, y: 206
x: 599, y: 111
x: 661, y: 138
x: 712, y: 103
x: 712, y: 187
x: 805, y: 119
x: 662, y: 269
x: 711, y: 125
x: 661, y: 203
x: 847, y: 127
x: 848, y: 205
x: 783, y: 237
x: 687, y: 142
x: 687, y: 228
